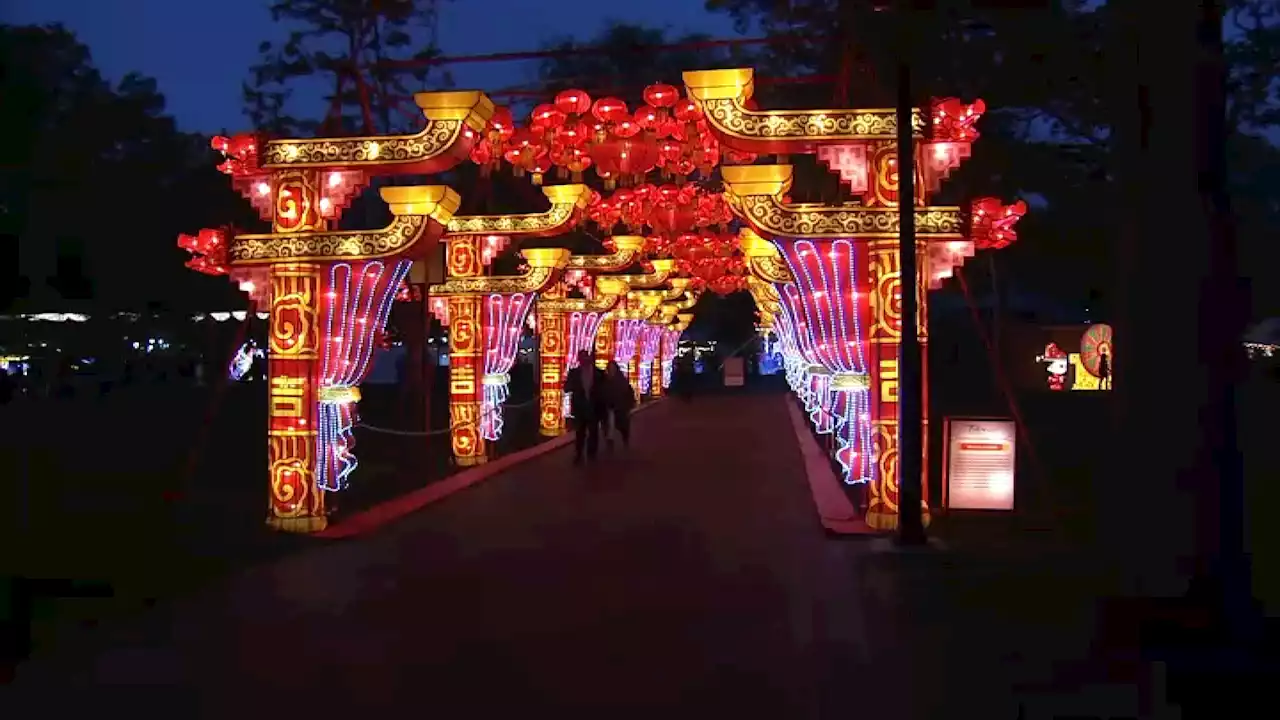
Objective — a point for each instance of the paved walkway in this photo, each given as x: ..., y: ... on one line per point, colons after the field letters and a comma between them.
x: 686, y: 577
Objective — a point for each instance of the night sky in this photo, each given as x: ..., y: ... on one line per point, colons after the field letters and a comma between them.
x: 200, y: 50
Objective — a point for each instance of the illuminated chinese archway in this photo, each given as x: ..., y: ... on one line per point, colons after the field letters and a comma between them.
x: 329, y: 292
x: 839, y: 296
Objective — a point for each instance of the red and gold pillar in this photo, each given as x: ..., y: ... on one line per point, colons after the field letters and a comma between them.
x: 466, y: 353
x: 633, y: 363
x: 883, y: 339
x: 296, y: 502
x: 655, y: 370
x: 553, y: 347
x: 606, y: 340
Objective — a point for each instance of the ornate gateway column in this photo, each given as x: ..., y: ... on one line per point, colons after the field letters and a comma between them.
x: 480, y: 359
x: 568, y: 325
x: 329, y: 291
x: 840, y: 314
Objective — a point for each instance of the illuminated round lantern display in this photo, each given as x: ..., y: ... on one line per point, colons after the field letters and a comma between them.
x: 1094, y: 344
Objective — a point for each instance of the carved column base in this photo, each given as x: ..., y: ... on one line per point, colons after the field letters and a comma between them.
x: 304, y: 524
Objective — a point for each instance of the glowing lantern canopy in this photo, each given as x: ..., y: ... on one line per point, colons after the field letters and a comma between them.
x: 526, y: 153
x: 489, y: 151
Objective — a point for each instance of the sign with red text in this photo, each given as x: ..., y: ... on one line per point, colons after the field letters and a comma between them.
x: 979, y: 463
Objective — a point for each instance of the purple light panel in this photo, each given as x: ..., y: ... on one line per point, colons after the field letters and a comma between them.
x: 826, y: 309
x: 505, y: 317
x: 582, y: 335
x: 357, y: 301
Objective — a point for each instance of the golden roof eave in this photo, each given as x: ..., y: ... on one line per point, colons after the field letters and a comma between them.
x: 662, y: 271
x: 754, y: 193
x: 690, y: 299
x: 763, y: 258
x: 454, y: 121
x: 768, y: 301
x: 601, y: 303
x: 678, y: 288
x: 545, y: 267
x: 627, y: 251
x: 663, y: 315
x: 723, y: 95
x: 419, y: 211
x: 567, y: 204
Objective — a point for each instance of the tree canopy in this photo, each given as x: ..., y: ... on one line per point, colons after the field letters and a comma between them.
x: 97, y: 181
x: 342, y: 43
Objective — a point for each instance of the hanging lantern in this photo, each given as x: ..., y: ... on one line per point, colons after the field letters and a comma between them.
x: 609, y: 112
x: 573, y: 102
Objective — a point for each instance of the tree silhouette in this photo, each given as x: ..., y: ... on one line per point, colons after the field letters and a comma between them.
x: 97, y: 181
x: 346, y: 43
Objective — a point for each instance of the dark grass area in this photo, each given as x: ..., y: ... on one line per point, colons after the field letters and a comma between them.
x: 152, y: 491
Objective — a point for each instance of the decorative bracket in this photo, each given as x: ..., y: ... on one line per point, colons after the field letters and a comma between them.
x: 662, y: 270
x: 454, y: 122
x: 723, y: 96
x: 419, y: 210
x: 678, y: 288
x: 755, y: 193
x: 690, y: 299
x: 608, y: 291
x: 763, y: 258
x: 567, y: 204
x: 627, y: 251
x: 545, y: 266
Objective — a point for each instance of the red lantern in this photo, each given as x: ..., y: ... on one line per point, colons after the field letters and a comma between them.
x: 573, y: 102
x: 546, y: 117
x: 605, y: 154
x: 661, y: 95
x: 525, y: 152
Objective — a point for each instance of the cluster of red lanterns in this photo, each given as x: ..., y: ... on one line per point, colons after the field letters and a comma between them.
x: 711, y: 260
x: 667, y: 210
x: 208, y: 251
x: 574, y: 133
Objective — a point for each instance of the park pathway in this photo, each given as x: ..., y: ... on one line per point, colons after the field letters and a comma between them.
x: 688, y: 576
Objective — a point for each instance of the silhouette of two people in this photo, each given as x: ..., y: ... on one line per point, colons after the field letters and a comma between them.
x: 595, y: 397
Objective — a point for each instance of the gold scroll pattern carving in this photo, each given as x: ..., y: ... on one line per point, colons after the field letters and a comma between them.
x: 841, y: 221
x: 431, y: 142
x: 297, y: 206
x: 462, y: 257
x: 600, y: 303
x: 532, y: 281
x: 731, y: 117
x: 770, y: 269
x: 396, y: 237
x: 526, y: 224
x: 645, y: 282
x: 885, y: 299
x: 603, y: 263
x: 294, y: 327
x: 883, y: 160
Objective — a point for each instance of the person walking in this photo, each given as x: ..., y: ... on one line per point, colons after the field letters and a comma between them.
x: 587, y: 388
x: 621, y: 398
